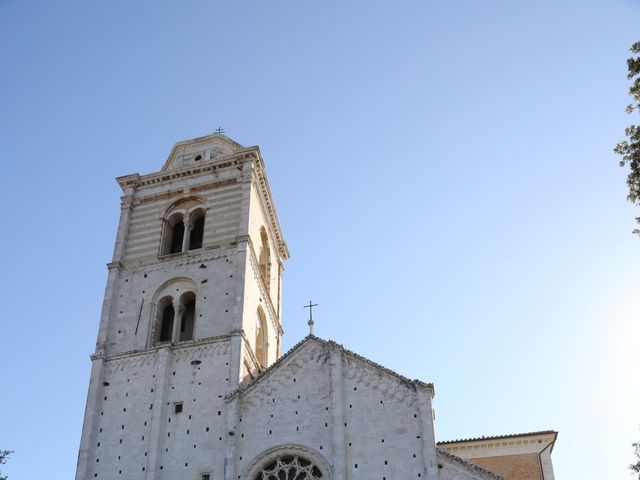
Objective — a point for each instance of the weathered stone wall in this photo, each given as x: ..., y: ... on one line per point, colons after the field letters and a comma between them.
x: 291, y: 406
x: 138, y: 435
x: 363, y: 421
x: 218, y: 289
x: 130, y: 428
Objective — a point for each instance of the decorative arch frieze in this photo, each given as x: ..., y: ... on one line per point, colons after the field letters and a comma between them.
x: 278, y: 379
x: 130, y: 363
x: 205, y: 351
x: 208, y: 255
x: 390, y: 388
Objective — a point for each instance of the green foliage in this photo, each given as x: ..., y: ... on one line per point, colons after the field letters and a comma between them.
x: 4, y: 454
x: 635, y: 468
x: 629, y: 149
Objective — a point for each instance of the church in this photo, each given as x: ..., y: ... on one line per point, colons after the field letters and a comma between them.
x: 189, y: 381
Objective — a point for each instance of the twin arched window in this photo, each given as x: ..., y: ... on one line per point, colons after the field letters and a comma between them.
x: 175, y: 319
x: 183, y: 227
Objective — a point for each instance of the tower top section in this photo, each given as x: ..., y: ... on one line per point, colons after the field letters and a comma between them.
x: 212, y: 155
x: 202, y: 149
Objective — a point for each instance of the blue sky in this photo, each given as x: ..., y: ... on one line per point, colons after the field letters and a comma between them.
x: 444, y: 177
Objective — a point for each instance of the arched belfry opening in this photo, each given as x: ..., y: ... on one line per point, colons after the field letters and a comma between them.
x: 187, y: 322
x: 173, y: 234
x: 183, y: 227
x: 166, y: 316
x: 197, y: 229
x: 265, y: 259
x: 262, y: 339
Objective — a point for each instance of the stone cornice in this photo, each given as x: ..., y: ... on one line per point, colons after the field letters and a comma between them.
x: 236, y: 159
x: 267, y: 199
x: 499, y: 441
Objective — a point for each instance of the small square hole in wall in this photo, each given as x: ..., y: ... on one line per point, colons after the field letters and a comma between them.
x: 177, y: 407
x: 205, y: 476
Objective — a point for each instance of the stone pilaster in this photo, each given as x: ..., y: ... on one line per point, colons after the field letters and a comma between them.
x: 90, y: 416
x: 158, y: 407
x: 429, y: 451
x: 230, y: 441
x: 337, y: 412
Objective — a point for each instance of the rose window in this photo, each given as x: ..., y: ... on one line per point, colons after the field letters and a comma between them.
x: 289, y: 468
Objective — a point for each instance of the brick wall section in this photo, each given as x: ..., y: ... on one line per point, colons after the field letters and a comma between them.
x: 512, y: 467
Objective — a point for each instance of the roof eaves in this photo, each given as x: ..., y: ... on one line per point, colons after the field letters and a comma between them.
x: 498, y: 437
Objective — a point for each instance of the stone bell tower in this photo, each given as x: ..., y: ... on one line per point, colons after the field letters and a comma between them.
x: 191, y: 310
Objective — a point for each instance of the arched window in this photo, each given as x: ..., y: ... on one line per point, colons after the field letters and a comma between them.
x: 187, y: 322
x: 262, y: 344
x: 265, y: 258
x: 173, y: 235
x: 166, y: 314
x: 197, y: 229
x: 289, y: 467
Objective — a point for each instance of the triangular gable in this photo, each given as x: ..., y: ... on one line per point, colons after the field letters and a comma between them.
x: 296, y: 349
x: 198, y: 150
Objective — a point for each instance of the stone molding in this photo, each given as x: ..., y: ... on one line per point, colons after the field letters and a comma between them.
x: 288, y: 449
x: 236, y: 160
x: 267, y: 198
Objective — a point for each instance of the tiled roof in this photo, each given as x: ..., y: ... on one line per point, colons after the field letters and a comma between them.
x: 469, y: 466
x: 498, y: 437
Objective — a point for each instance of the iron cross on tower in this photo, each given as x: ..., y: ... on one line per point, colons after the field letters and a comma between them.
x: 310, y: 322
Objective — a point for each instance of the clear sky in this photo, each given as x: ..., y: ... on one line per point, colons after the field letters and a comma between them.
x: 443, y: 173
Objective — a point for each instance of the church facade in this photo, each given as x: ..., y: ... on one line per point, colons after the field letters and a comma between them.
x: 188, y: 380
